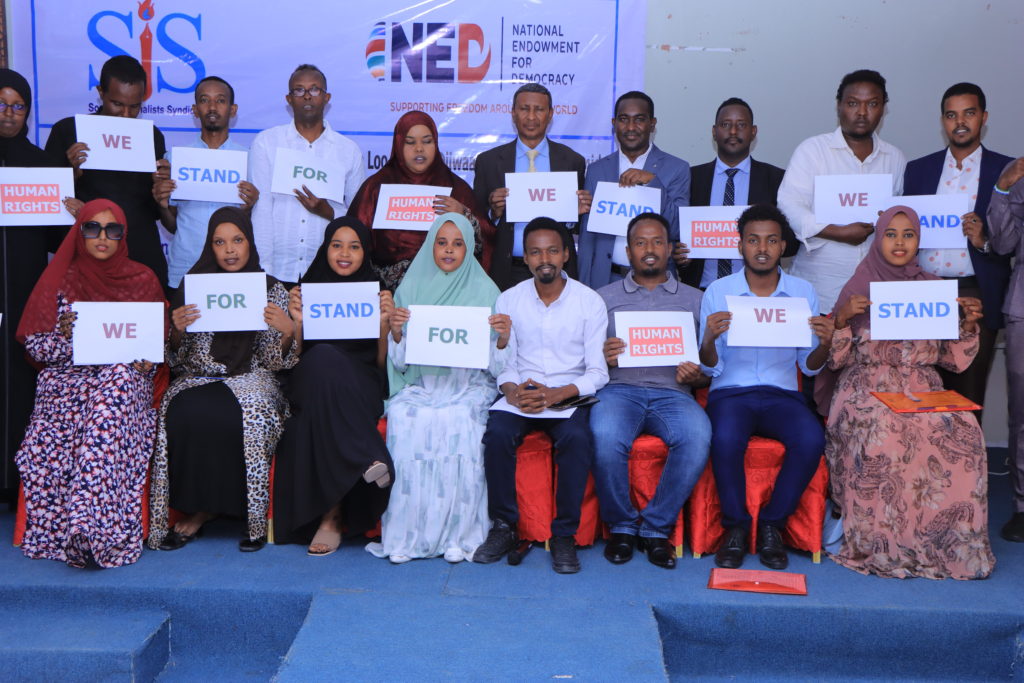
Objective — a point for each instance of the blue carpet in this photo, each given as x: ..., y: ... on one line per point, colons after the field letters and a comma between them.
x: 208, y: 612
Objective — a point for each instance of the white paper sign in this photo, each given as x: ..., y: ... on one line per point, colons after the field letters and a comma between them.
x: 341, y: 310
x: 922, y: 309
x: 842, y: 199
x: 656, y: 338
x: 613, y: 207
x: 208, y: 175
x: 294, y: 168
x: 503, y: 405
x: 117, y: 332
x: 531, y: 195
x: 117, y: 143
x: 941, y: 227
x: 448, y: 336
x: 35, y: 196
x: 769, y: 321
x: 407, y: 207
x: 710, y: 231
x: 228, y: 302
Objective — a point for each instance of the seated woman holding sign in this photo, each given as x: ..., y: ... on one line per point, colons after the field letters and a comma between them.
x: 437, y: 415
x: 912, y: 486
x: 416, y: 160
x: 333, y: 468
x: 86, y: 450
x: 222, y: 415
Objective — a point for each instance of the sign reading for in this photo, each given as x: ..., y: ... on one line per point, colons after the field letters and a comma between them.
x: 407, y: 207
x: 294, y: 168
x: 448, y: 336
x: 228, y: 302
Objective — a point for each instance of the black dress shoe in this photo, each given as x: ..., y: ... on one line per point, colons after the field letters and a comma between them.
x: 500, y: 540
x: 619, y: 548
x: 770, y: 548
x: 175, y: 540
x: 733, y: 549
x: 660, y: 552
x: 249, y: 546
x: 563, y: 555
x: 1013, y: 530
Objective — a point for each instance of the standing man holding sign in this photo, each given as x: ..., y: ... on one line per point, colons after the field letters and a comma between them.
x: 289, y: 229
x: 652, y: 400
x: 829, y: 254
x: 122, y: 88
x: 754, y: 391
x: 187, y: 219
x: 637, y: 163
x: 966, y: 167
x: 558, y: 329
x: 733, y: 179
x: 530, y: 152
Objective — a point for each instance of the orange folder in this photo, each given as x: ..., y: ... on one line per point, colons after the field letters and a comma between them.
x: 758, y: 581
x: 930, y: 401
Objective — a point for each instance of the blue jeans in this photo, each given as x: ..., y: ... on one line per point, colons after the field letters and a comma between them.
x: 623, y: 413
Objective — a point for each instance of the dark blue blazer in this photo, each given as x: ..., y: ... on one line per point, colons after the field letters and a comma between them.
x: 992, y: 270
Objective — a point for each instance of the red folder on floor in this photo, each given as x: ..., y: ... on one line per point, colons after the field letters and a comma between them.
x: 758, y: 581
x: 927, y: 401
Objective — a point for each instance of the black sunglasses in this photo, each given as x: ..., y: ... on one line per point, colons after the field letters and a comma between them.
x: 91, y: 230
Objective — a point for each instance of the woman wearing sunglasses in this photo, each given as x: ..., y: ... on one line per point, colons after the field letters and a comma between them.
x: 85, y: 454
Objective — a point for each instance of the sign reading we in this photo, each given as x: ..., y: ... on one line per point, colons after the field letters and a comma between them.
x: 117, y: 332
x: 769, y: 321
x: 531, y: 195
x: 117, y: 143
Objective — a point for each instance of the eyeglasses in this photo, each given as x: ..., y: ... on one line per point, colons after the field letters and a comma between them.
x: 91, y: 230
x: 299, y: 91
x: 16, y: 108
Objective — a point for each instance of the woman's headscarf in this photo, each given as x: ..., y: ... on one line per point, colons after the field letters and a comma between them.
x: 12, y: 79
x: 874, y: 267
x: 82, y: 277
x: 18, y: 151
x: 426, y: 284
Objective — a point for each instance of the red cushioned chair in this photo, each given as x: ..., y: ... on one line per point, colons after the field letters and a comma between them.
x: 646, y: 462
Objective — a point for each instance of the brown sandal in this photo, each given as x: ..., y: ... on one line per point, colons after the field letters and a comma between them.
x: 377, y: 473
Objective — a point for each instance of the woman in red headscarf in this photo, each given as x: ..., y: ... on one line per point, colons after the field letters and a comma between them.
x: 912, y: 486
x: 86, y: 450
x: 416, y: 160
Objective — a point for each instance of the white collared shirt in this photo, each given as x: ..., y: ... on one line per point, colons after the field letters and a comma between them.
x: 619, y: 257
x: 964, y: 180
x: 828, y: 264
x: 287, y: 235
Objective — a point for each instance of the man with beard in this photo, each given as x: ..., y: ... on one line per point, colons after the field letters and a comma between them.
x: 829, y: 254
x: 966, y: 167
x: 188, y: 219
x: 637, y: 162
x: 754, y: 392
x: 289, y: 229
x: 558, y: 332
x: 648, y: 400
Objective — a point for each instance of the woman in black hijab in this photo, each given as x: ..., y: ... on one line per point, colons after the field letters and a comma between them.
x: 332, y: 467
x: 22, y: 260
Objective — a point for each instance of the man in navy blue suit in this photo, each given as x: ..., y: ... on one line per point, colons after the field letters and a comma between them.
x: 966, y: 167
x: 603, y: 257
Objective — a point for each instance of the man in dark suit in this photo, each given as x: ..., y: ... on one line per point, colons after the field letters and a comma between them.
x: 637, y: 162
x: 530, y: 151
x: 752, y: 181
x: 966, y: 167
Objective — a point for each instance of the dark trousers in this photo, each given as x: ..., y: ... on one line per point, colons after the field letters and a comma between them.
x: 738, y: 413
x: 973, y: 381
x: 1015, y: 391
x: 574, y: 452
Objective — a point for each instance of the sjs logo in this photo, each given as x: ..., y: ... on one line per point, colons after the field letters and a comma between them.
x: 427, y: 53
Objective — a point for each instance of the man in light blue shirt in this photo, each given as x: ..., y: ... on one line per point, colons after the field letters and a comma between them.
x: 754, y: 391
x: 188, y: 220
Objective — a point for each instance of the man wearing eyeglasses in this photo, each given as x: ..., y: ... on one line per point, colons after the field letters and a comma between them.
x: 289, y: 229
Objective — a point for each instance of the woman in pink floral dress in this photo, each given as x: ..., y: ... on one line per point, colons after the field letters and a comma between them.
x: 912, y: 486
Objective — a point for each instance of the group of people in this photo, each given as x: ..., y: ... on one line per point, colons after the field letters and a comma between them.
x: 207, y: 425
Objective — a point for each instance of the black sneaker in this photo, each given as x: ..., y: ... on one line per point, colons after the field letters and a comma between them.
x: 563, y: 555
x: 500, y: 540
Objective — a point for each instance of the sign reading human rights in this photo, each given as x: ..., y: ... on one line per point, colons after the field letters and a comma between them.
x: 295, y: 168
x: 614, y: 206
x: 531, y: 195
x: 407, y: 207
x: 341, y: 310
x: 208, y: 175
x: 940, y: 214
x: 35, y: 196
x: 117, y: 332
x: 769, y: 321
x: 656, y: 338
x: 228, y: 302
x: 117, y: 143
x: 919, y: 309
x: 857, y: 197
x: 710, y: 231
x: 448, y: 336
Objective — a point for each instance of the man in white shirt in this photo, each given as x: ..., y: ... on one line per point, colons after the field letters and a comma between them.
x: 558, y: 332
x: 289, y: 229
x: 829, y: 254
